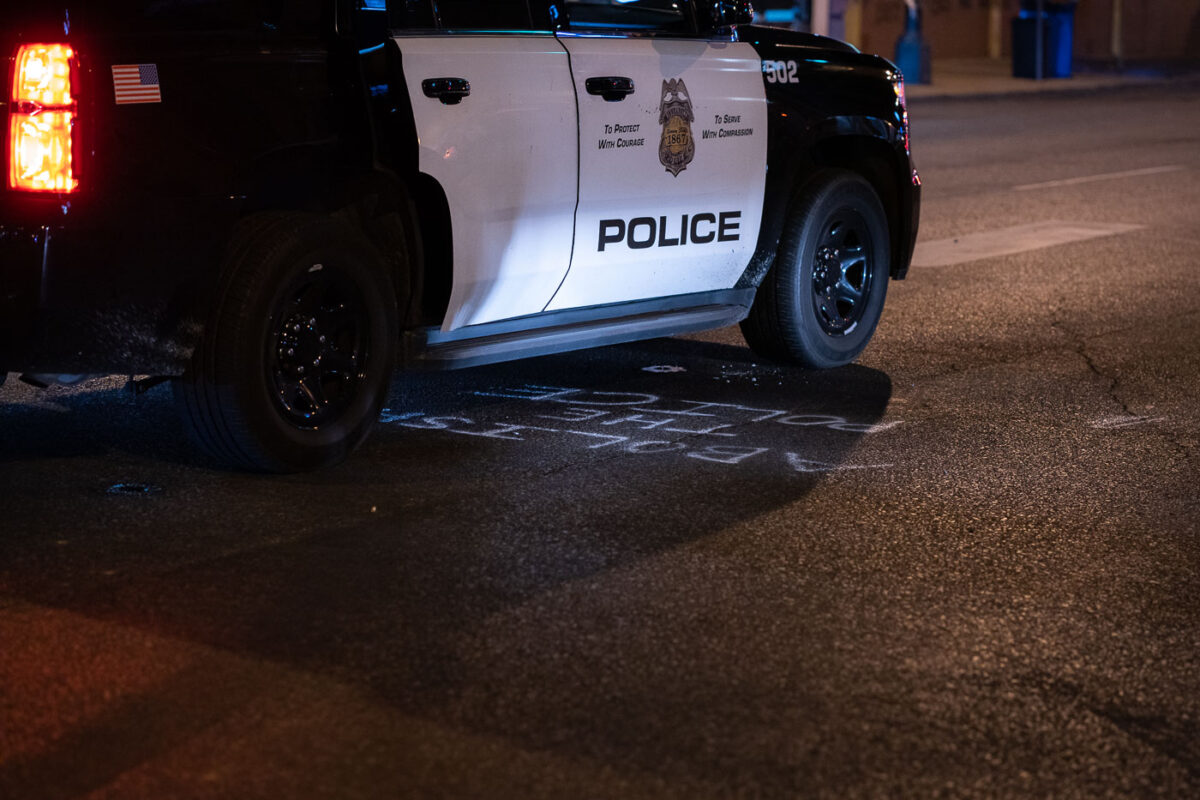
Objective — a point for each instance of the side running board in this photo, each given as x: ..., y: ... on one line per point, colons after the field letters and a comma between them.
x: 560, y: 332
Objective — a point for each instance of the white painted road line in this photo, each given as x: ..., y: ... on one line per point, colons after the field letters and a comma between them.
x: 1009, y: 241
x: 1108, y: 176
x: 1112, y: 423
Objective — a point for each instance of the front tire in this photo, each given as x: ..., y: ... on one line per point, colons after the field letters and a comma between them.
x: 820, y: 303
x: 295, y: 362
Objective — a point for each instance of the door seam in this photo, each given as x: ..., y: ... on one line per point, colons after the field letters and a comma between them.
x: 578, y: 173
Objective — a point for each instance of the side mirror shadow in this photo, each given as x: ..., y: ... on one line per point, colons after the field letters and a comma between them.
x: 727, y: 13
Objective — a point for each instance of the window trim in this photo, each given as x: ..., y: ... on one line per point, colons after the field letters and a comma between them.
x: 594, y: 30
x: 401, y: 33
x: 440, y: 26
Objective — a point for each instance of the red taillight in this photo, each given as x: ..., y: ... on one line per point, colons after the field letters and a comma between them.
x: 41, y: 123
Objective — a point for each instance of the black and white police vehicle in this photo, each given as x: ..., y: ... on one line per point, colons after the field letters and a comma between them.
x: 273, y: 202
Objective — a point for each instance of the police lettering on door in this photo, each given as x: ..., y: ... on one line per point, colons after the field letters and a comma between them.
x: 640, y: 233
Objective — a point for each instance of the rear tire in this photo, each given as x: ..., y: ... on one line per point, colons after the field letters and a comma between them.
x: 820, y: 303
x: 295, y: 362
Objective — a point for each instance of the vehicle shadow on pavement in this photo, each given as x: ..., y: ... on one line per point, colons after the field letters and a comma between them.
x: 96, y: 418
x: 478, y: 563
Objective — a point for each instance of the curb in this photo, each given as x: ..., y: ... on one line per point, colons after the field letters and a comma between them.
x: 1068, y: 91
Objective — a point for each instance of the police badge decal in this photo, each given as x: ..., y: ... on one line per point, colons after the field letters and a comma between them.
x: 677, y: 147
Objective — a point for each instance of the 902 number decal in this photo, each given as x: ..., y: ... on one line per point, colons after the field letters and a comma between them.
x: 780, y: 71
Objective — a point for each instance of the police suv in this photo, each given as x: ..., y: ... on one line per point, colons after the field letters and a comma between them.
x: 273, y: 202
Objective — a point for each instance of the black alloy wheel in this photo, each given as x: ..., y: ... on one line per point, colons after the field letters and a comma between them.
x: 295, y: 361
x: 842, y: 274
x: 821, y: 301
x: 319, y: 347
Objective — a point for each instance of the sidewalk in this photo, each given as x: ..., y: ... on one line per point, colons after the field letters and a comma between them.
x: 986, y: 77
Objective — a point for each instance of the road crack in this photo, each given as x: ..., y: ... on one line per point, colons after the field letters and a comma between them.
x: 1175, y: 738
x: 1079, y: 345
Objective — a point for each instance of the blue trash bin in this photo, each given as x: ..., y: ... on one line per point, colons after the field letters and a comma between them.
x: 1058, y: 33
x: 913, y: 53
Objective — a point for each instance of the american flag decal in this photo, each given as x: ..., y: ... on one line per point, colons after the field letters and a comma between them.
x: 136, y: 83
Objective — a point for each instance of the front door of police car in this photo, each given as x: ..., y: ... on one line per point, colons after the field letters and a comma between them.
x: 496, y: 121
x: 672, y: 154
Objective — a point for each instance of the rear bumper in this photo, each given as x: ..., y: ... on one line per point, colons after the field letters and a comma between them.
x: 96, y: 302
x: 22, y: 256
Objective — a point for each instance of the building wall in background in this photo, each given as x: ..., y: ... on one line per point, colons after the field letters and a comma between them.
x: 954, y: 28
x: 1152, y: 29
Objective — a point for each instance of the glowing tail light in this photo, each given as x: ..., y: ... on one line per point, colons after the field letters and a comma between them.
x: 41, y: 123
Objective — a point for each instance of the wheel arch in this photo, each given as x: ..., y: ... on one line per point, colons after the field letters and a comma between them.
x: 864, y: 145
x: 876, y: 160
x: 819, y: 305
x: 397, y: 214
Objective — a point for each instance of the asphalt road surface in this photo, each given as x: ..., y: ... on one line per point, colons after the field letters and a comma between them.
x: 967, y: 566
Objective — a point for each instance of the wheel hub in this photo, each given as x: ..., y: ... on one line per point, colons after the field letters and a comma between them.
x: 301, y: 346
x: 827, y: 270
x: 840, y: 277
x: 317, y: 351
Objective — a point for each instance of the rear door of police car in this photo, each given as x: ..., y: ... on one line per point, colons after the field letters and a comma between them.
x: 495, y: 113
x: 672, y: 152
